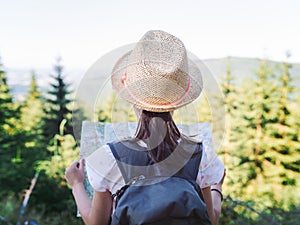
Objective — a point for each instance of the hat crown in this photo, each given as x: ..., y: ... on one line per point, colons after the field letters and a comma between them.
x: 158, y: 63
x: 160, y: 53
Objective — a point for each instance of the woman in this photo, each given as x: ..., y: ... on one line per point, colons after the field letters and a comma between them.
x: 157, y: 77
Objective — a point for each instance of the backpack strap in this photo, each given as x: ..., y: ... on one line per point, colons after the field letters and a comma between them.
x: 191, y: 168
x: 134, y: 160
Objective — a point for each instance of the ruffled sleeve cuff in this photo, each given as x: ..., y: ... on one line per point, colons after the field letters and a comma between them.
x: 211, y: 169
x: 212, y: 174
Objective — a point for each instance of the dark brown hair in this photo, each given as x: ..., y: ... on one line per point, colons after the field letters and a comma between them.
x: 159, y: 132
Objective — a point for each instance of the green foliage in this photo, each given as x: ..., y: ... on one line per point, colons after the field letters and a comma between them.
x: 57, y: 105
x: 64, y: 151
x: 264, y: 151
x: 31, y: 122
x: 11, y: 141
x: 231, y: 100
x: 10, y: 206
x: 32, y: 109
x: 9, y: 112
x: 52, y: 187
x: 22, y: 146
x: 245, y: 212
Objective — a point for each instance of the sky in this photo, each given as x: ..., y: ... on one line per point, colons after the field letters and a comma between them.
x: 33, y: 33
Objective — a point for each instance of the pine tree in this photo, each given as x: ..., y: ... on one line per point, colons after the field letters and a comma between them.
x: 8, y: 111
x: 57, y: 106
x: 231, y: 100
x: 283, y: 155
x: 32, y: 108
x: 64, y: 151
x: 11, y: 140
x: 52, y: 187
x: 268, y: 155
x: 7, y: 114
x: 256, y: 106
x: 31, y: 121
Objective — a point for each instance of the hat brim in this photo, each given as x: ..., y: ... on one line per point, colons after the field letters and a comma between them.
x: 196, y: 86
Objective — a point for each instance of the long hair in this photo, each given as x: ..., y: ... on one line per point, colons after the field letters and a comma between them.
x: 159, y: 132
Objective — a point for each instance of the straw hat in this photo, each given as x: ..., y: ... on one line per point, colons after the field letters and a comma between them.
x: 157, y: 75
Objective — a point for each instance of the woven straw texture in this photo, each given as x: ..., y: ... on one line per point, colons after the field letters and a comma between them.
x: 157, y: 74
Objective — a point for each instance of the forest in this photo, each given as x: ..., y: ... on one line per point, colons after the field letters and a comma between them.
x: 260, y: 149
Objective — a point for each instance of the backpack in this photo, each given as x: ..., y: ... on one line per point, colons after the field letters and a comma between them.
x: 158, y: 193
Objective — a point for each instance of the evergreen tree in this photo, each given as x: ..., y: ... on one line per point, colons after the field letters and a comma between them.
x: 11, y: 140
x: 256, y: 112
x: 57, y: 106
x: 63, y: 152
x: 283, y: 154
x: 265, y: 167
x: 31, y: 123
x: 231, y: 100
x: 7, y: 114
x: 32, y: 108
x: 8, y: 111
x: 52, y: 187
x: 29, y: 146
x: 295, y: 116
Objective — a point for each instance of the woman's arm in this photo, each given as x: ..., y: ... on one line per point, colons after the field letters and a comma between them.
x: 97, y: 211
x: 210, y: 202
x: 213, y: 201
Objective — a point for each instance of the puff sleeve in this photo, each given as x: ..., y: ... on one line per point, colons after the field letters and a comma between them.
x: 103, y: 172
x: 211, y: 169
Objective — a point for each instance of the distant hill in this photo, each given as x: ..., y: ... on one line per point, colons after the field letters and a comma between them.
x: 241, y: 69
x: 245, y: 68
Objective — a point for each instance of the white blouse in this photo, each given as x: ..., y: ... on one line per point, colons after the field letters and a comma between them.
x: 104, y: 174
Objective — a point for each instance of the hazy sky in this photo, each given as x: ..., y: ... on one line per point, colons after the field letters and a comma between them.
x: 33, y: 33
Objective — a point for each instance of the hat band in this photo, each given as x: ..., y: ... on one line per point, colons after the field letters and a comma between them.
x: 124, y: 82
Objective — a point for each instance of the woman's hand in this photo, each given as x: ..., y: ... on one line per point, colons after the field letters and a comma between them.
x: 97, y: 211
x: 75, y: 173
